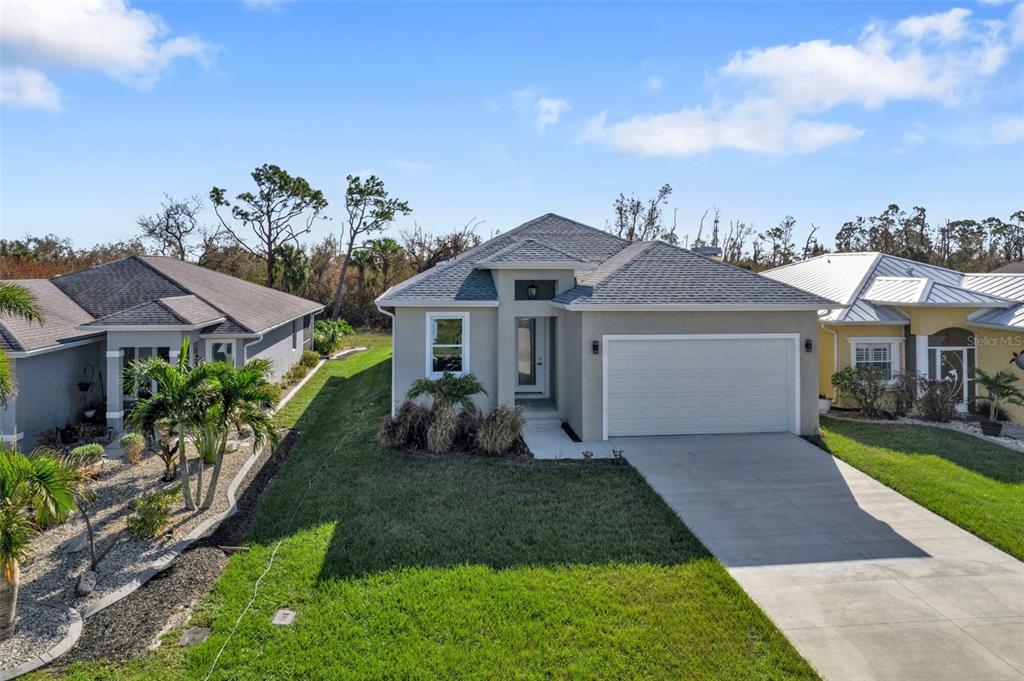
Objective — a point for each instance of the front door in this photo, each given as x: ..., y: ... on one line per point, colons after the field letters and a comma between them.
x: 531, y: 356
x: 956, y: 365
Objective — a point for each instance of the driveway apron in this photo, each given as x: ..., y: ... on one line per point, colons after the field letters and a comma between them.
x: 865, y: 583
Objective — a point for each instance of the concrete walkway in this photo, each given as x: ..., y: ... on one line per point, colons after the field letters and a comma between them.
x: 864, y: 582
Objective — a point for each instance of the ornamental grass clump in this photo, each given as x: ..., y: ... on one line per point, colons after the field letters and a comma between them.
x: 501, y: 430
x: 86, y: 457
x: 133, y: 444
x: 407, y: 428
x: 443, y: 428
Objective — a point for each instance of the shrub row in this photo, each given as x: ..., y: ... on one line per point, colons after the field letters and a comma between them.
x: 444, y: 430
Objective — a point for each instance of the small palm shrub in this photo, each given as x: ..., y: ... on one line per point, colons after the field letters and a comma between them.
x: 863, y: 386
x: 448, y: 390
x: 132, y: 444
x: 309, y: 359
x: 501, y: 429
x: 1001, y: 388
x: 86, y: 457
x: 152, y: 512
x: 983, y: 408
x: 937, y: 400
x: 442, y: 430
x: 329, y: 333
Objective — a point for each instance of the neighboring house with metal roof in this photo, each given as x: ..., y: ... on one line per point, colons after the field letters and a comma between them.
x: 98, y: 320
x: 618, y: 338
x: 903, y: 315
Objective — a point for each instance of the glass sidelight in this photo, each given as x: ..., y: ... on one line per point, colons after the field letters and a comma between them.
x: 526, y: 330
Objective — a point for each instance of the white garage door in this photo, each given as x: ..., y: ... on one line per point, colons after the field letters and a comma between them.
x: 675, y: 385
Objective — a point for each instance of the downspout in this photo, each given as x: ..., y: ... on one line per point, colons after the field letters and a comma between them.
x: 392, y: 316
x: 835, y: 347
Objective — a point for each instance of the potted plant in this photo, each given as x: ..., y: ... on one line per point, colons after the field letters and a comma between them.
x: 824, y: 404
x: 1002, y: 389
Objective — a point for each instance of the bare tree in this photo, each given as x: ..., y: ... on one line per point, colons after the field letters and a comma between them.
x: 282, y: 209
x: 174, y: 228
x: 368, y: 208
x: 423, y: 250
x: 811, y: 246
x: 638, y: 220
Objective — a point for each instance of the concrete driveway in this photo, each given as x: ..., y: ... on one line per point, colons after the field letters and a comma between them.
x: 864, y: 582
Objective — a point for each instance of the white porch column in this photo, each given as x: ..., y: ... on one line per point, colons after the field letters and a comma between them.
x: 115, y: 391
x: 922, y: 356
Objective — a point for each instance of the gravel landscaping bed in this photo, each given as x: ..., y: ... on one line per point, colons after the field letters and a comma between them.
x: 134, y: 624
x: 60, y: 554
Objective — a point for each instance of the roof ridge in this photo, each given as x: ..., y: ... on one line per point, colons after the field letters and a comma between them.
x: 142, y: 259
x: 161, y: 303
x: 639, y: 248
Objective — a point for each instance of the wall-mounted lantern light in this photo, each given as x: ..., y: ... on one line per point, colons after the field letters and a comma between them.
x: 531, y: 291
x: 595, y: 347
x: 808, y: 345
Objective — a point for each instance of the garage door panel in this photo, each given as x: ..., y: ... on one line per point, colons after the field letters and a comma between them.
x: 719, y: 385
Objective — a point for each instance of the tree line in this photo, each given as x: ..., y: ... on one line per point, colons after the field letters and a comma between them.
x: 967, y: 245
x: 261, y: 235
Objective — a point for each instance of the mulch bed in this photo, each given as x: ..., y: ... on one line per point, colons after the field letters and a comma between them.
x: 134, y: 624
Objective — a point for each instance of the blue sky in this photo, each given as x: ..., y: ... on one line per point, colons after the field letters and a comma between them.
x: 503, y: 112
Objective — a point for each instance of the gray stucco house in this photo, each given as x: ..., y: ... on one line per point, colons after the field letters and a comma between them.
x: 623, y: 338
x: 98, y: 320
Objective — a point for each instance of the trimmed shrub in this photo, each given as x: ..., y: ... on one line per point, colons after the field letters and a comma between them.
x: 152, y: 512
x: 863, y: 386
x: 328, y: 334
x: 296, y: 373
x: 902, y: 393
x: 500, y: 430
x: 309, y: 359
x: 86, y: 456
x: 937, y: 401
x: 443, y: 426
x: 132, y: 444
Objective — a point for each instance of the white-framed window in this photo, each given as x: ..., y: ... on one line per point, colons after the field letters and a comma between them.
x: 222, y: 352
x: 881, y: 353
x: 447, y: 343
x: 295, y: 334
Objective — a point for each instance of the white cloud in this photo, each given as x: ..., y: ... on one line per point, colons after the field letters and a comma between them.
x: 654, y: 83
x: 412, y: 167
x: 549, y: 111
x: 767, y: 97
x: 22, y: 88
x: 992, y: 3
x: 945, y: 26
x: 757, y: 126
x: 1008, y: 130
x: 1017, y: 24
x: 107, y: 36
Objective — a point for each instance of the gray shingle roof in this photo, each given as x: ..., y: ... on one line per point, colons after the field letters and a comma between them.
x: 657, y: 273
x: 115, y: 286
x: 254, y: 307
x: 530, y: 250
x: 61, y: 317
x: 176, y: 311
x: 459, y: 280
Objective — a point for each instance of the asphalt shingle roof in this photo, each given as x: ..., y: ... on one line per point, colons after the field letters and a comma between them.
x: 648, y: 273
x: 254, y: 307
x: 61, y: 318
x: 657, y: 273
x: 115, y: 286
x: 191, y: 309
x: 176, y: 311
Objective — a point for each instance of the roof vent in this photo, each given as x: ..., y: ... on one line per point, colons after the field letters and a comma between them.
x: 713, y: 252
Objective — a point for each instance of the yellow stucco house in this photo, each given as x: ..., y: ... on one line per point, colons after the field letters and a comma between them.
x: 902, y: 315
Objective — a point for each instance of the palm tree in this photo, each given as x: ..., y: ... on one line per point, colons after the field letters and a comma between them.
x: 15, y: 301
x: 1002, y: 389
x: 448, y: 391
x: 241, y: 399
x: 384, y: 253
x: 362, y: 260
x: 293, y: 267
x: 184, y: 393
x: 34, y: 491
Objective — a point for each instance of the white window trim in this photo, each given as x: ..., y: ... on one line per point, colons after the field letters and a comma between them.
x: 894, y: 343
x: 429, y: 333
x: 221, y: 339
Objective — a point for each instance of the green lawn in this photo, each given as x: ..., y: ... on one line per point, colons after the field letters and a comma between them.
x: 970, y: 482
x: 407, y: 566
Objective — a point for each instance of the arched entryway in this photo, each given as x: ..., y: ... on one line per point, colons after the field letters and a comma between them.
x: 951, y: 356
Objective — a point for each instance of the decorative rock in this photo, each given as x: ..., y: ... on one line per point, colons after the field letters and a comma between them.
x: 77, y: 543
x: 231, y: 447
x: 194, y: 635
x: 86, y: 583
